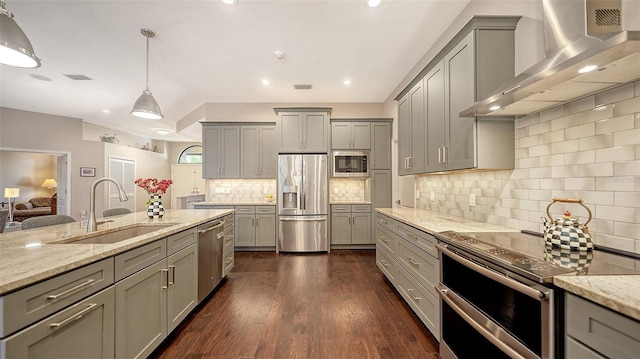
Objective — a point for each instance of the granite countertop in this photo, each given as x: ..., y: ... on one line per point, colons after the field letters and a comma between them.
x: 432, y: 222
x: 620, y: 293
x: 189, y: 195
x: 350, y: 202
x: 263, y: 203
x: 32, y: 255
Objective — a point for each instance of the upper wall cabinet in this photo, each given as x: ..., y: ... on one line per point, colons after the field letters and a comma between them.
x: 303, y: 130
x: 472, y: 66
x: 220, y: 151
x: 259, y: 153
x: 350, y: 135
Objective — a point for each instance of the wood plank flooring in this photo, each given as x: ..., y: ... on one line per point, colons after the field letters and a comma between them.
x: 336, y: 305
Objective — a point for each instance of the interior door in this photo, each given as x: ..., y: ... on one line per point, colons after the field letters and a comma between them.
x: 63, y: 184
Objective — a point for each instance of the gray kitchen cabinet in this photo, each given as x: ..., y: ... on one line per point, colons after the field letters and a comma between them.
x: 350, y: 135
x: 594, y: 331
x: 182, y: 291
x: 220, y: 151
x: 435, y: 118
x: 228, y: 256
x: 350, y: 224
x: 411, y: 119
x: 303, y: 130
x: 380, y: 155
x: 259, y: 151
x: 83, y: 330
x: 255, y: 226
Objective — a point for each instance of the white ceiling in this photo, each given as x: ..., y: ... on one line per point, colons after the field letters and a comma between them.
x: 206, y: 51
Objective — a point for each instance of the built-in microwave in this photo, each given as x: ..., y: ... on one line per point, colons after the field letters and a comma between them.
x: 350, y: 164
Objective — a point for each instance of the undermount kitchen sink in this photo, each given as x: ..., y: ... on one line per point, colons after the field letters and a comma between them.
x: 117, y: 235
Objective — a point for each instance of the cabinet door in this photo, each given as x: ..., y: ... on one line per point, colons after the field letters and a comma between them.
x: 340, y: 135
x: 340, y: 228
x: 230, y: 151
x: 361, y: 135
x: 290, y: 132
x: 245, y: 230
x: 83, y: 330
x: 250, y: 144
x: 416, y: 104
x: 266, y: 230
x: 268, y: 152
x: 141, y: 311
x: 381, y: 146
x: 435, y: 118
x: 182, y: 294
x: 404, y: 135
x: 361, y: 228
x: 200, y: 182
x: 380, y: 188
x: 210, y: 161
x: 316, y: 132
x: 460, y: 88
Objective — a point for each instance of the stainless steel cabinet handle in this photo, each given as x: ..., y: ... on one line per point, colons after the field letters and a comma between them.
x: 71, y: 290
x: 444, y: 154
x: 229, y: 260
x: 384, y: 263
x: 172, y: 270
x: 412, y: 261
x: 413, y: 295
x: 74, y: 317
x: 439, y: 154
x: 384, y: 239
x: 165, y: 271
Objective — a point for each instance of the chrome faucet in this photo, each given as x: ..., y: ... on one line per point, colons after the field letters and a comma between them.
x: 92, y: 224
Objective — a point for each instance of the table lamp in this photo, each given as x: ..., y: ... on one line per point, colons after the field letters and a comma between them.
x: 49, y: 183
x: 11, y: 193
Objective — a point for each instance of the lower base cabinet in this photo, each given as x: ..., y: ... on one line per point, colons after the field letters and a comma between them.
x: 351, y: 224
x: 255, y: 226
x: 84, y: 330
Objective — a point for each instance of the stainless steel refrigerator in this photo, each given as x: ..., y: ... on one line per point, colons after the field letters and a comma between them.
x: 303, y: 203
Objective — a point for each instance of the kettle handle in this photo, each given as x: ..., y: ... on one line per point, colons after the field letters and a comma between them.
x: 569, y: 200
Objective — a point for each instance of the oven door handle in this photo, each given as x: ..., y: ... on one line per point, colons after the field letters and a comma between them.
x: 444, y: 294
x: 511, y: 283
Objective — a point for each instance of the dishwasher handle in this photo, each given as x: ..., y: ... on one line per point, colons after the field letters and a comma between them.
x: 214, y: 226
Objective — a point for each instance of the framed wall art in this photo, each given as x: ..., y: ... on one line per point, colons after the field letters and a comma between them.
x: 87, y: 172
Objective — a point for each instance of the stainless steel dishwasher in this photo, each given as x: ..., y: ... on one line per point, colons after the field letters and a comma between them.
x: 210, y: 241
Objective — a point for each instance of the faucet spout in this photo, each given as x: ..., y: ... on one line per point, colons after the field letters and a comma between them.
x: 92, y: 224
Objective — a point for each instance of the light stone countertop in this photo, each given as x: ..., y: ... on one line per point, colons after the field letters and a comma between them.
x: 32, y: 255
x: 620, y: 293
x: 349, y: 202
x: 432, y: 222
x: 264, y: 203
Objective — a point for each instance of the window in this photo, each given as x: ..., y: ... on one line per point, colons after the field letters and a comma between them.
x: 191, y: 154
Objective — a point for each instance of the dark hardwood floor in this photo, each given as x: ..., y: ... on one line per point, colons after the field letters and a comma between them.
x: 335, y: 305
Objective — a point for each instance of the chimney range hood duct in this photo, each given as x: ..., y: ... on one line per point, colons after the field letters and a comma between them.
x: 573, y: 42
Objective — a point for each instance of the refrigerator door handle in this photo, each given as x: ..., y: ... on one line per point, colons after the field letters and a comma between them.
x: 305, y: 218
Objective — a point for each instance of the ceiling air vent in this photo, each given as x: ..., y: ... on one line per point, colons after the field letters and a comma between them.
x: 79, y: 77
x: 302, y: 86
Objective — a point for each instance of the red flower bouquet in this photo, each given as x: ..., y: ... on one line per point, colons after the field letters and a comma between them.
x: 153, y: 186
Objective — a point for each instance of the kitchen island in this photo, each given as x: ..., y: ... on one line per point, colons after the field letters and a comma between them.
x: 113, y: 293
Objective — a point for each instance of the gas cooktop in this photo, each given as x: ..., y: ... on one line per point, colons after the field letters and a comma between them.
x: 528, y: 255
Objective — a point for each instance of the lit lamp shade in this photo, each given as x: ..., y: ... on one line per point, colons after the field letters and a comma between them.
x: 12, y: 192
x: 49, y: 183
x: 147, y: 107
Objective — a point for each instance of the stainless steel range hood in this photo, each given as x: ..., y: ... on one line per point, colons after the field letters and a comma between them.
x: 573, y: 42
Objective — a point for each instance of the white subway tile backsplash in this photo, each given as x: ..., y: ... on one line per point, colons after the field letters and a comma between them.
x: 626, y: 168
x: 591, y: 198
x: 594, y: 142
x: 625, y: 107
x: 628, y: 230
x: 527, y: 121
x: 627, y: 199
x: 581, y: 131
x: 619, y: 214
x: 551, y: 114
x: 618, y: 153
x: 565, y: 171
x: 539, y: 128
x: 580, y: 183
x: 553, y: 160
x: 564, y: 147
x: 616, y: 184
x: 583, y: 104
x: 615, y: 95
x: 581, y: 157
x: 596, y: 169
x: 596, y: 114
x: 614, y: 124
x: 549, y: 183
x: 564, y: 122
x: 630, y: 137
x: 551, y: 137
x: 621, y: 243
x: 540, y: 150
x: 528, y: 141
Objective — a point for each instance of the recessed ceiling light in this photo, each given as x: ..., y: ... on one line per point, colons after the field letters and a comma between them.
x: 493, y: 108
x: 278, y: 54
x: 587, y: 68
x: 106, y: 111
x: 347, y: 82
x: 162, y: 131
x: 374, y: 3
x: 265, y: 82
x: 230, y: 2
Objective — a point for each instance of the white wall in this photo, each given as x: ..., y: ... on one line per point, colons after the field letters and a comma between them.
x: 26, y: 171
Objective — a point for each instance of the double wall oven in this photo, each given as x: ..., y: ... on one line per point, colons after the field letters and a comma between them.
x: 497, y: 297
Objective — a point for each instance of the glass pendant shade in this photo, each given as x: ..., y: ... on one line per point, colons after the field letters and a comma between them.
x: 15, y: 47
x: 147, y: 107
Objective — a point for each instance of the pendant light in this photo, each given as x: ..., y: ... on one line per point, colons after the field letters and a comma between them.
x: 146, y: 106
x: 15, y: 47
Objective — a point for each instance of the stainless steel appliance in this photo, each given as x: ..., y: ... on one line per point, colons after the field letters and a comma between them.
x: 303, y: 203
x: 350, y: 164
x: 210, y: 236
x: 497, y: 296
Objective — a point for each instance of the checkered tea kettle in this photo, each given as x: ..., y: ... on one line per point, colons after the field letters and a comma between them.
x: 567, y: 232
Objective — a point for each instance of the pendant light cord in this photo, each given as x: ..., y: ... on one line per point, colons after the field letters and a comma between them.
x: 148, y: 34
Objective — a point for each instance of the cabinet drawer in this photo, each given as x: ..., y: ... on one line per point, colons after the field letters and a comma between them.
x: 340, y: 208
x: 265, y: 209
x: 181, y: 240
x: 136, y: 259
x: 607, y: 332
x: 419, y: 264
x: 361, y: 208
x: 386, y: 239
x: 577, y: 350
x: 245, y: 209
x: 228, y: 220
x: 28, y: 305
x: 228, y: 261
x: 84, y: 330
x: 421, y: 239
x: 387, y: 265
x: 388, y: 223
x: 228, y: 238
x: 424, y: 304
